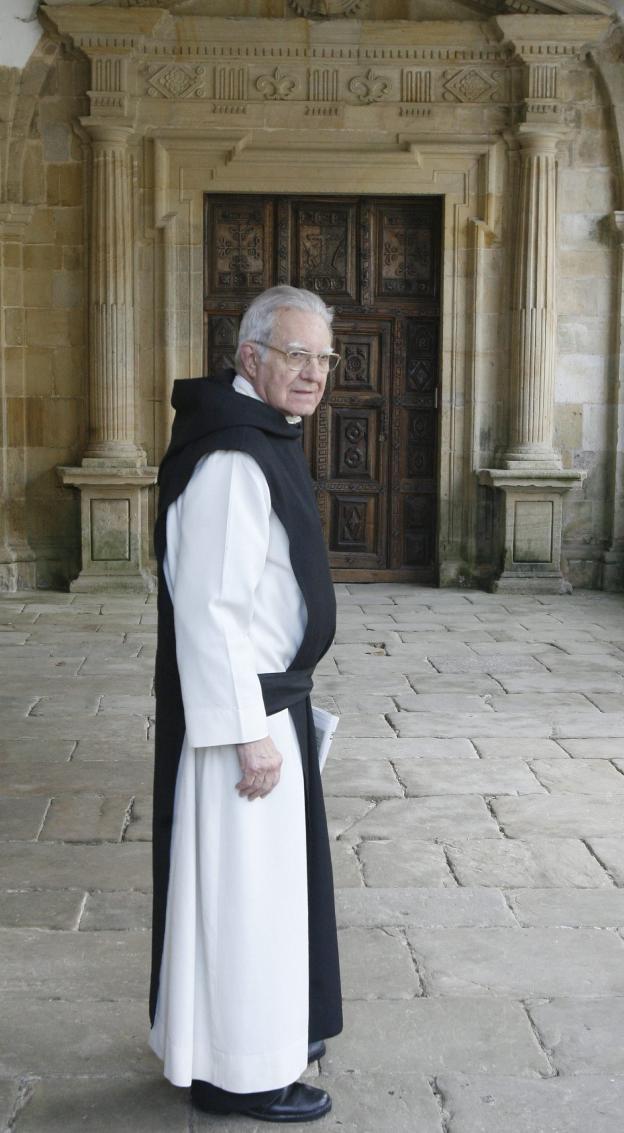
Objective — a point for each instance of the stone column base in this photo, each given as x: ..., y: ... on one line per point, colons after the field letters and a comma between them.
x: 613, y: 570
x: 531, y: 527
x: 18, y: 568
x: 114, y: 527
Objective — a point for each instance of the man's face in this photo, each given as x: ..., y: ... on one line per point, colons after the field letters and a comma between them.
x: 294, y: 394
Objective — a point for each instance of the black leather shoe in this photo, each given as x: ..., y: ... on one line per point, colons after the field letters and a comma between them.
x: 298, y: 1102
x: 316, y: 1051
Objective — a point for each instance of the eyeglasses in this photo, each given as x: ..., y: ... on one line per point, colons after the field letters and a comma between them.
x: 297, y: 360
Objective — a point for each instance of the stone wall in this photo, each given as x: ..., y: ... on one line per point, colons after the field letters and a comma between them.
x: 462, y: 146
x: 44, y: 298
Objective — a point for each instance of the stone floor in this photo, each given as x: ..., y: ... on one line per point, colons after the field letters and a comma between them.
x: 475, y: 796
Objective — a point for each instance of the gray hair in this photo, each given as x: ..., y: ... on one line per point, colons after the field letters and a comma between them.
x: 259, y: 319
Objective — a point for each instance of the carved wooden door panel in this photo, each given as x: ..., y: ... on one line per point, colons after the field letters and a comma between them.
x: 372, y: 445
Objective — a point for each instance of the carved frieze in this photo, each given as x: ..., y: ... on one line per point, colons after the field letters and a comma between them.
x: 470, y: 84
x: 370, y: 87
x: 278, y: 85
x: 177, y: 81
x: 325, y: 8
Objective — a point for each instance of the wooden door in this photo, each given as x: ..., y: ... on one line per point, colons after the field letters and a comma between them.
x: 372, y: 445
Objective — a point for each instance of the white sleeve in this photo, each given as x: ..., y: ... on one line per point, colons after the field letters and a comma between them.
x: 219, y: 530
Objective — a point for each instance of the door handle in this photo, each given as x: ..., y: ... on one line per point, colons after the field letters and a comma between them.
x: 383, y: 427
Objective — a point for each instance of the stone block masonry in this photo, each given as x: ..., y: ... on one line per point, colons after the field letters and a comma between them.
x: 478, y: 841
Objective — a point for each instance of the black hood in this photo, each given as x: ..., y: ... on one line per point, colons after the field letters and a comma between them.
x: 210, y: 405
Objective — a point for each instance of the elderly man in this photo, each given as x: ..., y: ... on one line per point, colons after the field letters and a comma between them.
x: 245, y: 978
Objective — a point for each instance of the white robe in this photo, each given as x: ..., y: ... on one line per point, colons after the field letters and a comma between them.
x: 233, y: 998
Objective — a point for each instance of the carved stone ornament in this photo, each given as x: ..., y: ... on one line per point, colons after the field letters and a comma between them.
x: 325, y: 8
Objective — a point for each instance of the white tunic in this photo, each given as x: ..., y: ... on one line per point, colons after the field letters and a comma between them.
x: 233, y: 999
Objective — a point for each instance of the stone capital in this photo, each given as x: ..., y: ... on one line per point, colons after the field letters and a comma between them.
x: 617, y: 224
x: 552, y: 38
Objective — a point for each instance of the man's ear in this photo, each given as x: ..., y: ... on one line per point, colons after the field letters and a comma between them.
x: 249, y: 360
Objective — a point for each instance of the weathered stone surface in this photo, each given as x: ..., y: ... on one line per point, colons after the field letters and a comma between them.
x: 511, y: 747
x: 610, y: 853
x: 342, y: 814
x: 490, y: 1104
x: 416, y: 748
x: 99, y: 1037
x: 404, y: 863
x: 345, y: 865
x: 21, y: 819
x: 469, y: 777
x: 428, y: 1036
x: 24, y: 908
x: 352, y: 777
x: 594, y: 748
x: 529, y: 962
x: 48, y: 865
x: 122, y: 911
x: 75, y: 965
x: 597, y: 724
x: 440, y: 702
x: 510, y: 864
x: 436, y: 908
x: 438, y: 819
x: 468, y: 724
x: 39, y: 777
x: 353, y: 724
x: 24, y: 749
x: 126, y: 1105
x: 139, y: 827
x: 579, y: 776
x: 86, y: 818
x: 564, y: 816
x: 571, y: 908
x: 583, y: 1035
x: 376, y: 964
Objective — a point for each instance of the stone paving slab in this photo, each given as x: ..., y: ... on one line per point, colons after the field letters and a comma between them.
x: 431, y: 1035
x: 521, y: 963
x: 103, y: 1038
x: 62, y: 865
x: 75, y: 965
x: 582, y: 1035
x: 124, y: 1105
x: 491, y: 1104
x: 569, y: 908
x: 541, y: 862
x: 481, y: 926
x: 470, y: 777
x: 431, y: 908
x: 440, y: 819
x: 404, y: 863
x: 566, y: 816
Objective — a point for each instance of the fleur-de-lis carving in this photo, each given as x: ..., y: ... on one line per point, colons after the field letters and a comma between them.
x: 277, y: 86
x: 370, y: 87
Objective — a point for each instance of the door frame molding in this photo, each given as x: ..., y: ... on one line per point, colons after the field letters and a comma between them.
x: 467, y: 171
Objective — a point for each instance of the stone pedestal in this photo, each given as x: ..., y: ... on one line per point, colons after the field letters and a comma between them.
x: 531, y: 527
x: 114, y: 526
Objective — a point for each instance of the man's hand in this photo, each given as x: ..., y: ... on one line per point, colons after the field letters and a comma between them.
x: 260, y: 763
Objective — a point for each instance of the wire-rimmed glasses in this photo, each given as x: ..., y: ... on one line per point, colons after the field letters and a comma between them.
x: 297, y: 360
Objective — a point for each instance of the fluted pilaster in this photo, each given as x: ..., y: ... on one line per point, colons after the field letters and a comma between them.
x: 111, y: 303
x: 534, y: 316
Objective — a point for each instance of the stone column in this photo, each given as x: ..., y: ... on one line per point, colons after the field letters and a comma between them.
x: 534, y: 310
x: 17, y: 559
x: 113, y: 478
x: 111, y: 303
x: 532, y: 481
x: 613, y: 557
